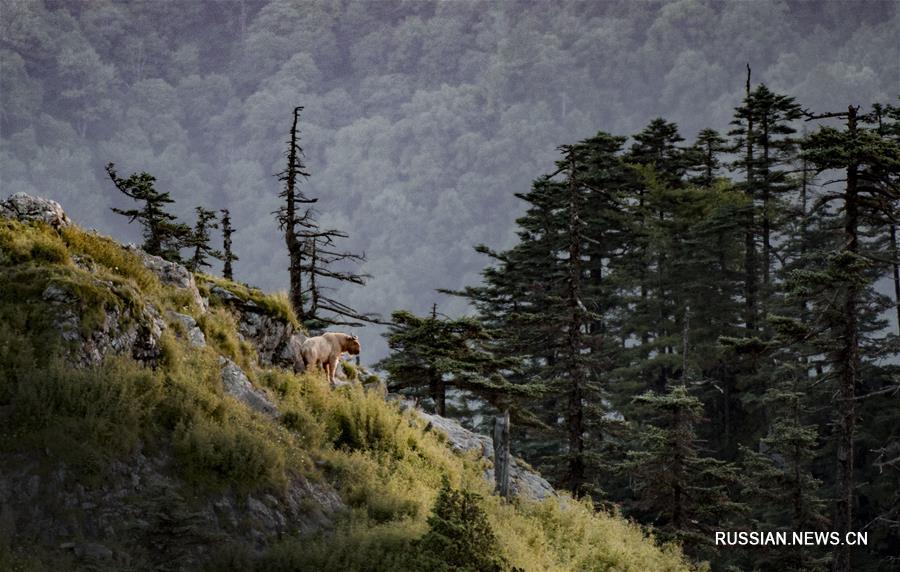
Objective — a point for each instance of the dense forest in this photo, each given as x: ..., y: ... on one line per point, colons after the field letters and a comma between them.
x: 693, y: 331
x: 685, y: 281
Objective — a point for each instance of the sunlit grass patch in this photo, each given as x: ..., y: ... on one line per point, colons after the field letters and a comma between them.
x: 276, y: 304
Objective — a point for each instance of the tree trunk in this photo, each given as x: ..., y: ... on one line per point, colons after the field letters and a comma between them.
x: 575, y: 414
x: 227, y: 231
x: 766, y: 199
x: 313, y: 289
x: 750, y: 270
x: 849, y: 370
x: 501, y: 454
x: 896, y: 269
x: 295, y: 268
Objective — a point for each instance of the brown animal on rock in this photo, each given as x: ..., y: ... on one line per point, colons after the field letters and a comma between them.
x: 326, y: 350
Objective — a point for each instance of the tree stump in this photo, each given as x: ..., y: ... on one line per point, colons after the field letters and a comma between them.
x: 501, y: 454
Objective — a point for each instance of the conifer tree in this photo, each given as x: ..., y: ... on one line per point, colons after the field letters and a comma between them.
x: 705, y: 154
x: 763, y: 128
x: 779, y: 484
x: 436, y: 352
x: 844, y: 307
x: 163, y: 235
x: 684, y: 494
x: 745, y: 141
x: 459, y: 537
x: 199, y: 240
x: 547, y: 299
x: 772, y: 114
x: 662, y: 164
x: 228, y: 256
x: 658, y: 146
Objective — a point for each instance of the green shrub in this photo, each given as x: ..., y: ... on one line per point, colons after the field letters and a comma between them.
x: 221, y: 331
x: 370, y: 483
x: 363, y: 422
x: 350, y: 370
x: 84, y: 417
x: 226, y: 453
x: 298, y: 419
x: 356, y: 545
x: 460, y: 536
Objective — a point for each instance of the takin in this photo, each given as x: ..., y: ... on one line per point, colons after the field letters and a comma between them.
x: 325, y: 350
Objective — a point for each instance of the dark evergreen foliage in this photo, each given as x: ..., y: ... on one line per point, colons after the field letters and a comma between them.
x: 163, y: 235
x: 199, y: 240
x: 460, y: 537
x: 228, y: 256
x: 747, y: 313
x: 434, y: 353
x: 684, y: 494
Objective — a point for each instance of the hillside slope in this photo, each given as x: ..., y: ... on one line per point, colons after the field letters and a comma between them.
x: 155, y: 420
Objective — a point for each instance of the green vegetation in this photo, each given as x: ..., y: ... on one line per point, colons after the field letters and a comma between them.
x: 688, y: 326
x: 163, y: 234
x: 460, y: 536
x: 433, y: 353
x: 276, y: 304
x: 387, y: 466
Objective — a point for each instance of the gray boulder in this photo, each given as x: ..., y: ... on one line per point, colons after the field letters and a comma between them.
x: 276, y: 340
x: 24, y: 207
x: 171, y: 274
x: 524, y: 481
x: 238, y: 386
x: 192, y: 331
x: 122, y: 331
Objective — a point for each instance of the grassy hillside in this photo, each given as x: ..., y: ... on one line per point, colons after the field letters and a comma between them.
x: 75, y: 428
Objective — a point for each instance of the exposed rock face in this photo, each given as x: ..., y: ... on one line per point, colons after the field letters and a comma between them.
x: 170, y: 273
x: 24, y: 207
x: 290, y: 354
x: 238, y: 386
x: 140, y: 507
x: 193, y: 332
x: 277, y: 342
x: 122, y: 331
x: 523, y: 480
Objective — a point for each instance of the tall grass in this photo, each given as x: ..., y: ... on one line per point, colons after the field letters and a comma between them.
x: 277, y: 304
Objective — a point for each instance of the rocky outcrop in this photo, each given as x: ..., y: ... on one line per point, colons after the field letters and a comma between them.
x: 171, y: 274
x: 277, y: 342
x: 140, y: 507
x: 237, y: 385
x: 523, y: 480
x: 123, y: 329
x: 192, y: 331
x: 24, y: 207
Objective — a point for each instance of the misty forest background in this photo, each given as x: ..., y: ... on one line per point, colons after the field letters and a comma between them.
x: 421, y: 119
x: 694, y: 367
